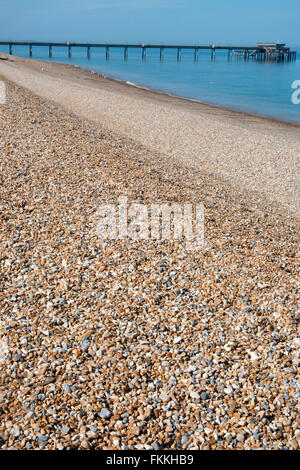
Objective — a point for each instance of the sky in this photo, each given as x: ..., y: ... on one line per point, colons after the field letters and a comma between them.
x: 223, y: 22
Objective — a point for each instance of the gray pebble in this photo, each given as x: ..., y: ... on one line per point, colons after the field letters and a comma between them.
x: 204, y: 396
x: 65, y: 430
x: 104, y: 413
x: 184, y: 439
x: 66, y: 388
x: 41, y: 438
x: 156, y: 445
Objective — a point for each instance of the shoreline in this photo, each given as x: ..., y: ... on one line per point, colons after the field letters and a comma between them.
x: 186, y: 99
x: 153, y: 91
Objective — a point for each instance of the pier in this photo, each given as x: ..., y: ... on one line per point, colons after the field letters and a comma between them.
x: 264, y: 52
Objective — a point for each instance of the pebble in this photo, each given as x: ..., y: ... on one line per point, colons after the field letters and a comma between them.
x: 65, y: 430
x: 165, y: 396
x: 105, y: 413
x: 204, y: 396
x: 177, y: 340
x: 253, y: 356
x: 67, y: 388
x: 42, y: 438
x: 184, y: 439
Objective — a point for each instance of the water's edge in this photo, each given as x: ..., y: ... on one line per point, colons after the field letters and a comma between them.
x: 127, y: 83
x: 238, y: 110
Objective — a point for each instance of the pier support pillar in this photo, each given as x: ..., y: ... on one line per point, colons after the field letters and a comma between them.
x: 69, y: 52
x: 178, y: 54
x: 30, y: 50
x: 125, y: 53
x: 50, y: 51
x: 10, y: 49
x: 144, y: 53
x: 107, y: 53
x: 89, y: 52
x: 161, y: 53
x: 196, y: 56
x: 213, y: 53
x: 229, y: 54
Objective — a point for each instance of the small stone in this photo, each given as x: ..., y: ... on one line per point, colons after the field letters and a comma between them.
x: 156, y: 445
x: 228, y: 390
x: 204, y: 396
x: 65, y: 430
x: 41, y: 438
x: 18, y: 358
x: 164, y: 396
x: 184, y: 439
x: 16, y: 432
x: 253, y: 355
x: 177, y: 340
x: 104, y: 413
x: 67, y: 388
x: 47, y: 381
x: 293, y: 444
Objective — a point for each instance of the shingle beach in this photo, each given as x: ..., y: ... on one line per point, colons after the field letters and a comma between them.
x: 143, y: 344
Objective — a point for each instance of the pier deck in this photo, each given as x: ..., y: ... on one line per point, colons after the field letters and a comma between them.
x: 263, y: 51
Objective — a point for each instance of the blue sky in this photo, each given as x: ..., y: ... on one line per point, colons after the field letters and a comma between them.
x: 157, y: 21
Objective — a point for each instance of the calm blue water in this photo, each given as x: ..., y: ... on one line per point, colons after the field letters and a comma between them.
x: 260, y: 88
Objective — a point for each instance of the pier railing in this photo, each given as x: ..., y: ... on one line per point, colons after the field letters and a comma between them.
x: 280, y: 54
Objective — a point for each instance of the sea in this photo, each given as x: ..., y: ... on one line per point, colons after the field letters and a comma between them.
x: 261, y: 88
